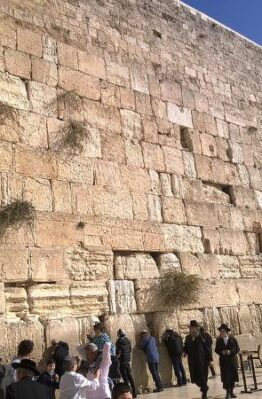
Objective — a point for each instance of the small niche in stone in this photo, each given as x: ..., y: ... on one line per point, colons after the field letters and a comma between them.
x: 185, y: 138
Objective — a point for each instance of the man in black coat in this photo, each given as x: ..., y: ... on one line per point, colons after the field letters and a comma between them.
x: 174, y: 344
x: 25, y: 387
x: 199, y: 356
x: 61, y: 351
x: 209, y: 341
x: 123, y: 352
x: 227, y: 348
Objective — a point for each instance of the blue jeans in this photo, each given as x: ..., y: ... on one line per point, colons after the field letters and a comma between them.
x: 153, y: 367
x: 179, y: 369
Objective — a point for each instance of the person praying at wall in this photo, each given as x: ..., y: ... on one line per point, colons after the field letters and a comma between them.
x: 227, y: 348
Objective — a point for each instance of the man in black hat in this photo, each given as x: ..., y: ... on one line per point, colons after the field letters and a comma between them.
x: 227, y: 348
x: 199, y: 356
x: 123, y: 352
x: 26, y: 387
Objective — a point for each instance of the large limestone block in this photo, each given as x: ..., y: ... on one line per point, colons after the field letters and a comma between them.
x: 180, y: 116
x: 132, y: 324
x: 184, y: 317
x: 154, y: 208
x: 153, y: 157
x: 50, y: 233
x: 162, y: 321
x: 7, y: 34
x: 49, y: 299
x: 139, y: 80
x: 210, y: 294
x: 205, y: 265
x: 13, y: 92
x: 42, y: 98
x: 84, y: 85
x: 171, y: 91
x: 173, y: 210
x: 88, y: 298
x: 228, y: 267
x: 249, y: 319
x: 18, y: 63
x: 233, y: 242
x: 224, y: 173
x: 131, y: 124
x: 229, y: 314
x: 14, y: 264
x: 168, y: 262
x: 6, y: 155
x: 16, y: 301
x: 148, y: 296
x: 107, y: 174
x: 135, y: 179
x: 135, y: 266
x: 112, y: 204
x: 62, y: 196
x: 75, y: 170
x: 101, y: 116
x: 182, y: 238
x: 82, y: 264
x: 29, y: 42
x: 38, y: 192
x: 66, y: 330
x: 122, y: 296
x: 35, y: 163
x: 13, y: 333
x: 250, y: 266
x: 244, y: 197
x: 32, y: 129
x: 201, y: 214
x: 91, y: 64
x: 46, y: 265
x: 173, y: 160
x: 249, y: 291
x: 189, y: 164
x: 44, y: 72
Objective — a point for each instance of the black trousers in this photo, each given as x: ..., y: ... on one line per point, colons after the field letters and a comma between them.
x: 153, y: 367
x: 126, y: 374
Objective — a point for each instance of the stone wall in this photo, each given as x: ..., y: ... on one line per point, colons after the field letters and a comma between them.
x: 170, y: 176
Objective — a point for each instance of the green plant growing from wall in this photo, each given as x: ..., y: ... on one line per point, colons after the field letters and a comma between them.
x: 15, y: 213
x: 7, y: 113
x: 178, y: 289
x: 74, y: 135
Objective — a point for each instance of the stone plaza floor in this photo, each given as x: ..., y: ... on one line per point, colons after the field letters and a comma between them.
x: 215, y: 391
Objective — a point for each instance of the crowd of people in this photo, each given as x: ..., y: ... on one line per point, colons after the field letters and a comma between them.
x: 103, y: 369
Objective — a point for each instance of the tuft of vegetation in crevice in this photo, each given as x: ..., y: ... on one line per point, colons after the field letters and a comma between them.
x: 178, y: 289
x: 15, y: 213
x: 74, y: 135
x: 7, y: 113
x: 80, y: 225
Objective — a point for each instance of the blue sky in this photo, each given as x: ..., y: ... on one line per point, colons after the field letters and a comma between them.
x: 243, y: 16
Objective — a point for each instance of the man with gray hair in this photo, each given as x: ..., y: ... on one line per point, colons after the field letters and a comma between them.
x: 26, y: 387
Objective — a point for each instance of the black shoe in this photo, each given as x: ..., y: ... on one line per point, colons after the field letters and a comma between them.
x: 232, y: 395
x: 204, y: 395
x: 158, y: 390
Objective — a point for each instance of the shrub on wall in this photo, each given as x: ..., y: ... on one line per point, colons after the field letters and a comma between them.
x: 16, y: 212
x: 179, y: 289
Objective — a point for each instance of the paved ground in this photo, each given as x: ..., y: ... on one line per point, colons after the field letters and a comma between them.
x: 215, y: 391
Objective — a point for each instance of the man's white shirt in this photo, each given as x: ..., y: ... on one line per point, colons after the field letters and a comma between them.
x: 75, y: 386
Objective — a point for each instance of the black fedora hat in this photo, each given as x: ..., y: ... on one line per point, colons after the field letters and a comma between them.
x: 26, y: 364
x: 193, y: 323
x: 224, y: 327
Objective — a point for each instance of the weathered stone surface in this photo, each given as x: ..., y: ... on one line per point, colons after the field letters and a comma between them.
x: 181, y: 116
x: 13, y: 91
x: 84, y: 85
x: 148, y: 296
x: 46, y: 265
x: 14, y: 264
x: 38, y: 192
x: 42, y: 98
x: 250, y: 266
x: 66, y: 330
x: 168, y: 262
x: 18, y: 63
x: 122, y: 296
x: 29, y: 42
x: 88, y: 298
x: 82, y: 264
x: 16, y: 301
x: 135, y: 266
x: 131, y: 124
x: 182, y: 238
x: 173, y: 211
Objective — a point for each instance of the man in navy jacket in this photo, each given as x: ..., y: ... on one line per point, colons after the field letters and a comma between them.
x: 147, y: 343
